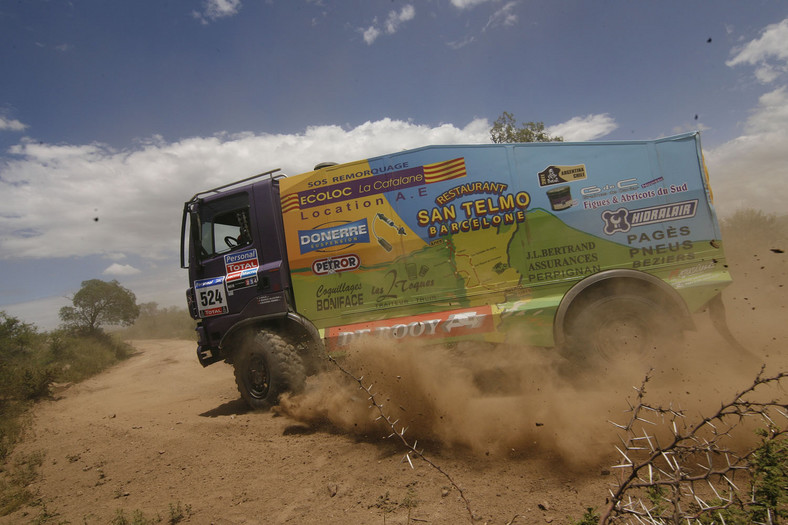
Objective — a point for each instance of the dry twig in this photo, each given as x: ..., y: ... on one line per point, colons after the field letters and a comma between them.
x: 693, y: 474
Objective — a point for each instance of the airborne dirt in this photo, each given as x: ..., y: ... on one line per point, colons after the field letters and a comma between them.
x: 519, y: 436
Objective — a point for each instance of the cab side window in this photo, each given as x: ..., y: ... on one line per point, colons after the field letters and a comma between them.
x: 225, y: 225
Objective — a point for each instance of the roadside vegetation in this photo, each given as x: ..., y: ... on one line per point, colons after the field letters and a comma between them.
x: 33, y: 364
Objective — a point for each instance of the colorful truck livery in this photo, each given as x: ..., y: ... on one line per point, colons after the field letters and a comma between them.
x: 452, y: 242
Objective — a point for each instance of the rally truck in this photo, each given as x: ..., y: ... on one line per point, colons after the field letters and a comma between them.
x: 591, y: 248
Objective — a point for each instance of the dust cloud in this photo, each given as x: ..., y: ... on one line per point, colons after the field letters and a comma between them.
x: 521, y: 401
x: 510, y: 400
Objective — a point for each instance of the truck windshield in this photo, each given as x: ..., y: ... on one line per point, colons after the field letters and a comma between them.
x: 224, y: 225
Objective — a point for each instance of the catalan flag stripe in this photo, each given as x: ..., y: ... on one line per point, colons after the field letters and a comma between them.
x: 442, y: 171
x: 290, y: 202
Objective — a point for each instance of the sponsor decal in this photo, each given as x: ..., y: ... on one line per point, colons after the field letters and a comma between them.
x: 560, y: 174
x: 660, y: 246
x: 338, y: 297
x: 702, y: 271
x: 340, y: 263
x: 619, y: 186
x: 625, y: 192
x: 268, y: 299
x: 395, y: 287
x: 652, y: 182
x: 240, y: 261
x: 622, y: 220
x: 699, y: 268
x: 470, y: 188
x: 398, y: 180
x: 340, y: 235
x: 452, y: 323
x: 242, y: 279
x: 241, y: 268
x: 560, y: 198
x: 470, y: 215
x: 360, y: 184
x: 561, y: 262
x: 211, y: 297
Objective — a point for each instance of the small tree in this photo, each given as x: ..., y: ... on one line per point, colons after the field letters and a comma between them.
x: 505, y: 130
x: 100, y: 303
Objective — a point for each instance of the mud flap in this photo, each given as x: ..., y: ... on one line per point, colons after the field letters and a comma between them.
x: 207, y: 356
x: 720, y: 322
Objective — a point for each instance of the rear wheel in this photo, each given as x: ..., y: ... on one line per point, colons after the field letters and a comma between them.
x: 618, y: 326
x: 265, y: 367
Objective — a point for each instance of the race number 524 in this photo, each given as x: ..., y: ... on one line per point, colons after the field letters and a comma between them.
x: 211, y: 296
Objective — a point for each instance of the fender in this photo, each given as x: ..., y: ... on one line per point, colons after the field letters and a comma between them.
x: 284, y: 319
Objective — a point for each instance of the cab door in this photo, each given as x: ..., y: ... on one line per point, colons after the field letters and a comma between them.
x: 224, y: 259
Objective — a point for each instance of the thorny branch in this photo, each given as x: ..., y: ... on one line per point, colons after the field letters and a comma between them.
x: 671, y: 483
x: 400, y: 434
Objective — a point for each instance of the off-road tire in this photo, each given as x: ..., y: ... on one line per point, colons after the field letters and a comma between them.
x: 614, y: 326
x: 313, y: 359
x: 266, y: 366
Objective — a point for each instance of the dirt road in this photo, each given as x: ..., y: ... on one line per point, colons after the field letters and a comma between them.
x: 158, y: 432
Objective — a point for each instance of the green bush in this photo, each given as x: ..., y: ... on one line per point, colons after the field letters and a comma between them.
x: 80, y: 357
x: 30, y: 361
x: 589, y: 518
x: 770, y: 478
x: 10, y: 427
x: 768, y: 494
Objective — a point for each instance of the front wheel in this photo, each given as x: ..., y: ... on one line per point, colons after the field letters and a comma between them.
x: 265, y: 367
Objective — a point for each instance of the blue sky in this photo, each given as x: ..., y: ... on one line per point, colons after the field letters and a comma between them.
x: 120, y: 111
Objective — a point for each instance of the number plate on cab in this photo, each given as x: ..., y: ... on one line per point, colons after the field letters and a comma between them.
x: 211, y: 296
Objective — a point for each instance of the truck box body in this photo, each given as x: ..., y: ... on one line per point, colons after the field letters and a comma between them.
x: 485, y: 240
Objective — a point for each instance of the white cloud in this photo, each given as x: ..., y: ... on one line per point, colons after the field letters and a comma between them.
x: 216, y: 9
x: 467, y: 4
x: 505, y: 16
x: 502, y: 16
x: 751, y: 171
x: 459, y: 44
x: 391, y: 24
x: 761, y: 52
x: 395, y: 19
x: 83, y: 200
x: 371, y: 34
x: 590, y: 127
x: 689, y: 126
x: 121, y: 270
x: 41, y: 312
x: 11, y: 124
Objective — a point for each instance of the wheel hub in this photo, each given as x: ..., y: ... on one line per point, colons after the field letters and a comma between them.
x: 258, y: 378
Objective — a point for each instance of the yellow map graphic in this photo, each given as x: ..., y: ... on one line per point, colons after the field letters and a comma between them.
x: 482, y: 260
